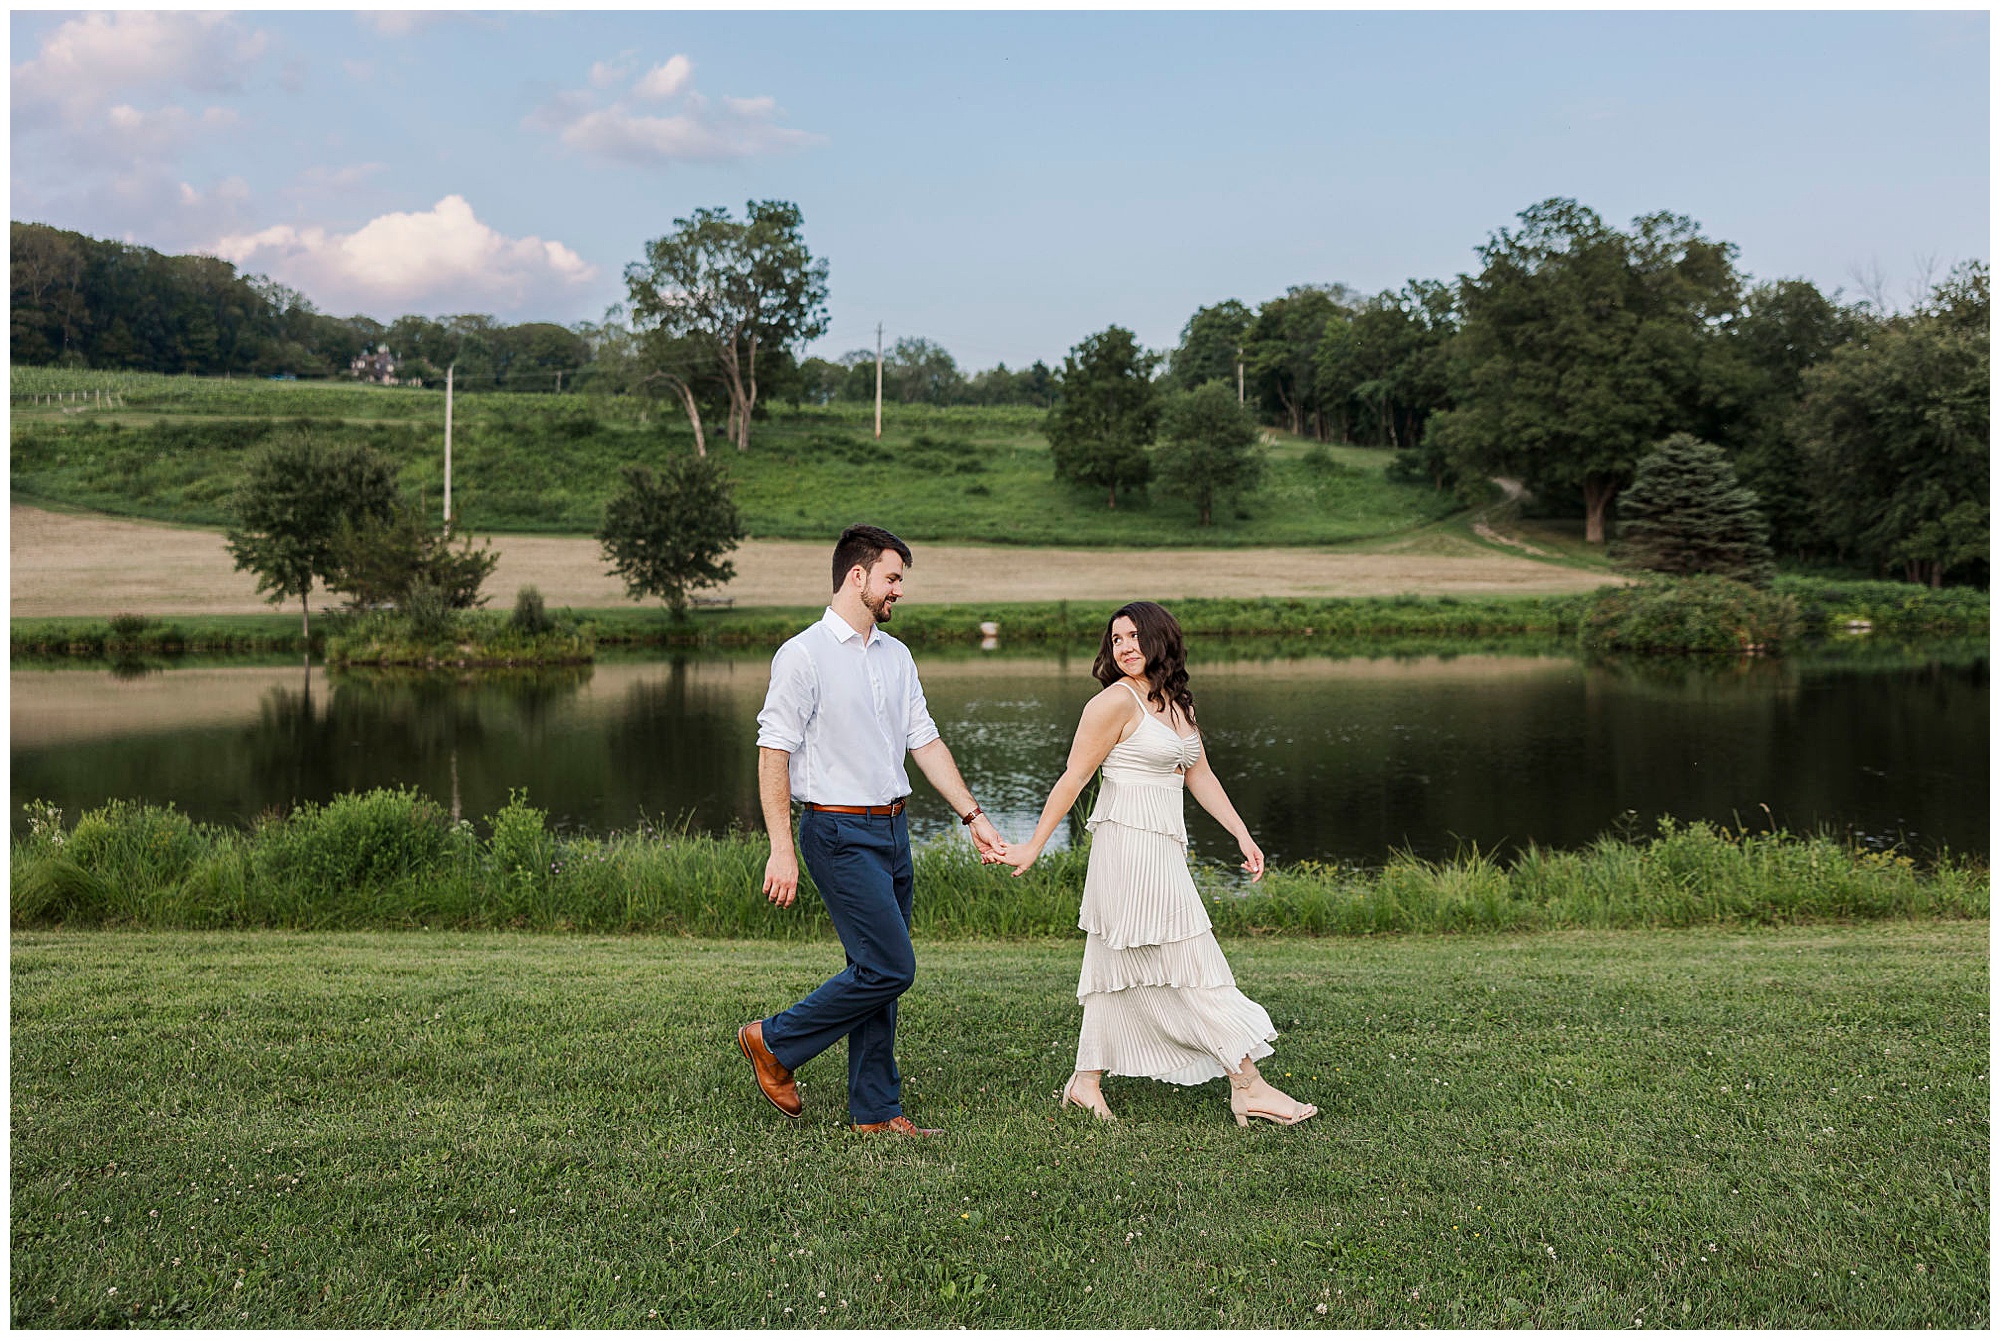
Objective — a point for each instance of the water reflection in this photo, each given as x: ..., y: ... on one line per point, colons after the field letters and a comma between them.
x: 1326, y: 757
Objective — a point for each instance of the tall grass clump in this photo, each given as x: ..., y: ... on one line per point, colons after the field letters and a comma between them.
x: 1690, y: 614
x: 394, y: 858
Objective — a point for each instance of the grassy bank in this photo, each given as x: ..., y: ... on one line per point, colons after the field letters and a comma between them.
x: 385, y: 859
x: 479, y: 639
x: 1825, y: 608
x: 1697, y: 1128
x: 174, y: 448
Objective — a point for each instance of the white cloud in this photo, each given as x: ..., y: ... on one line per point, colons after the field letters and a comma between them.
x: 441, y: 258
x: 395, y: 22
x: 91, y: 62
x: 665, y: 80
x: 360, y: 71
x: 698, y: 132
x: 605, y: 73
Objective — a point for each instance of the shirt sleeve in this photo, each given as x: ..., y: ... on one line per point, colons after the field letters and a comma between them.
x: 921, y: 729
x: 790, y: 701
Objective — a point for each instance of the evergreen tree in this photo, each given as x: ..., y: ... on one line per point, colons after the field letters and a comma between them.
x: 1684, y: 513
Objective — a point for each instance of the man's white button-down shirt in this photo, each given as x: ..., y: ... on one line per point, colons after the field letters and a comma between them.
x: 847, y: 708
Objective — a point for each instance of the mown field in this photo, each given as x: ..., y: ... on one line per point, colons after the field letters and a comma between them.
x: 170, y: 449
x: 1778, y: 1128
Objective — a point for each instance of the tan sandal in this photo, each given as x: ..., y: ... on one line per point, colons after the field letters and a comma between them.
x: 1101, y: 1110
x: 1239, y: 1105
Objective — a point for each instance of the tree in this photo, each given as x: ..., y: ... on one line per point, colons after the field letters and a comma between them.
x: 1581, y: 346
x: 1211, y: 345
x: 732, y: 289
x: 921, y: 371
x: 1106, y: 414
x: 1208, y: 448
x: 1282, y: 351
x: 1685, y: 513
x: 1894, y: 431
x: 1383, y: 371
x: 377, y: 560
x: 290, y: 505
x: 666, y: 534
x: 1785, y: 328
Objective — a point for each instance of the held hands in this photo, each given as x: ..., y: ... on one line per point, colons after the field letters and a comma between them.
x: 1253, y: 857
x: 1022, y: 857
x: 987, y: 838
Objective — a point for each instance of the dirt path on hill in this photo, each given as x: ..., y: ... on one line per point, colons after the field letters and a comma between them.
x: 83, y: 564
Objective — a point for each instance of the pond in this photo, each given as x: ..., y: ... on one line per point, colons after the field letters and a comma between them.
x: 1328, y: 758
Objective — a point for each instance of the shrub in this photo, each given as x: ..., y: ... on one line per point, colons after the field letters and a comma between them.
x: 1694, y: 614
x: 428, y: 612
x: 357, y: 841
x: 530, y: 615
x: 127, y: 627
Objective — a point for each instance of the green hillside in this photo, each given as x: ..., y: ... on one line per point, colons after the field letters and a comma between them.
x: 170, y: 448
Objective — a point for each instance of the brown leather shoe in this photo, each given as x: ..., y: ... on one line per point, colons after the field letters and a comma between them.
x: 899, y: 1125
x: 772, y: 1078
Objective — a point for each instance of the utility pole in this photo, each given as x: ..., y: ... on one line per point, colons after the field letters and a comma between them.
x: 448, y: 374
x: 878, y: 381
x: 1239, y: 374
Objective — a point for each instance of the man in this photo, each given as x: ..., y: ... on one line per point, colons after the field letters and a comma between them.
x: 843, y: 707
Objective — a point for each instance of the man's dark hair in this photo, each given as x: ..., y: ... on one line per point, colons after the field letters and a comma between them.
x: 863, y: 545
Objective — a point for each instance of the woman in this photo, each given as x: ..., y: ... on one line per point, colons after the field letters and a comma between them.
x: 1158, y: 998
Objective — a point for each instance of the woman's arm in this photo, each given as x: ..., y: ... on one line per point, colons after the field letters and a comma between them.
x: 1105, y: 721
x: 1206, y: 788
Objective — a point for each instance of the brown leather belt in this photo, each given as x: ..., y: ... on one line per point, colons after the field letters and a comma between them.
x: 872, y: 811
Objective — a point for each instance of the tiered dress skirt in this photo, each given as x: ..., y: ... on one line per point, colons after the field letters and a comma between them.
x: 1158, y: 998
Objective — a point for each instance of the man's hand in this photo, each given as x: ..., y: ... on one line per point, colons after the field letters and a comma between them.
x: 781, y: 877
x: 987, y: 838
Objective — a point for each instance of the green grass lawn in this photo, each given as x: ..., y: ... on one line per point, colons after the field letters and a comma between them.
x: 1783, y: 1127
x: 174, y: 449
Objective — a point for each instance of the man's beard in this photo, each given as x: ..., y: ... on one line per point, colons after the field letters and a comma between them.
x: 879, y: 608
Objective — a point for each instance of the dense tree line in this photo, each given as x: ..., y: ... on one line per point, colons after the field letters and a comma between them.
x: 1578, y: 348
x: 81, y: 301
x: 917, y: 371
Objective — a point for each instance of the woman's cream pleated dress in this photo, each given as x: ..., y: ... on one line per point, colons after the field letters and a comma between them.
x: 1158, y: 998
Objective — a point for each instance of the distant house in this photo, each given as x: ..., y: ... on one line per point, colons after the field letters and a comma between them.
x: 377, y: 365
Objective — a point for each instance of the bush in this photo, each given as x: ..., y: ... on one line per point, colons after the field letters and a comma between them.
x: 356, y: 843
x: 1694, y: 614
x: 1900, y: 608
x: 428, y: 612
x: 530, y: 616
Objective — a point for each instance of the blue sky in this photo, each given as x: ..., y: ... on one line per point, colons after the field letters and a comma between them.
x: 1003, y: 183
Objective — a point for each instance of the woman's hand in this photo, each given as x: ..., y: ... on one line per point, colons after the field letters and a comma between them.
x: 1021, y: 857
x: 1253, y: 857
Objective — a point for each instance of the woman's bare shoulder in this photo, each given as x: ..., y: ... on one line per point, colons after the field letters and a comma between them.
x: 1111, y: 704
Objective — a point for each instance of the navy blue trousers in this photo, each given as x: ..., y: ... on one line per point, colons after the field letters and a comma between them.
x: 863, y: 870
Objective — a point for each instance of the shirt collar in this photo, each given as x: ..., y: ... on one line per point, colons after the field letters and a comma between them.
x: 843, y: 631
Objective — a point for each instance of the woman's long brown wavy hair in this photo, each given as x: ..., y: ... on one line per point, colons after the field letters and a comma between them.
x: 1165, y: 651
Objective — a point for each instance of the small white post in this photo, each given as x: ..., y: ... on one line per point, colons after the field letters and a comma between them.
x: 449, y: 373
